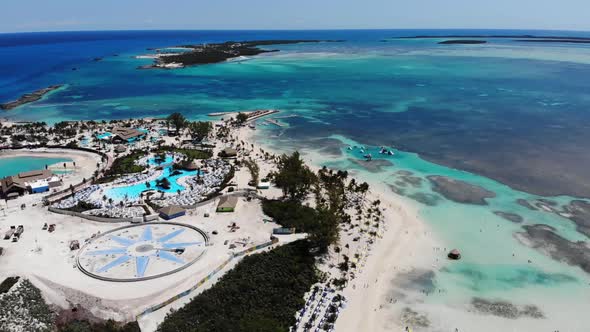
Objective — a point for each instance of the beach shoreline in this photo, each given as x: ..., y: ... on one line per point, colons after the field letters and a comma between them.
x: 405, y: 245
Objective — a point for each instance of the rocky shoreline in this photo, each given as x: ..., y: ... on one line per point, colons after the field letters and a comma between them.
x: 29, y: 97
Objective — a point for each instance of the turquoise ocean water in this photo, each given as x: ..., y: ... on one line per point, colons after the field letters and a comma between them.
x: 507, y: 116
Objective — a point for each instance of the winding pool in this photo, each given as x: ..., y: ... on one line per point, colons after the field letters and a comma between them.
x: 134, y: 191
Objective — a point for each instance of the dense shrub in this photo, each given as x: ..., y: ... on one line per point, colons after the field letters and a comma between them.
x: 7, y: 284
x: 262, y: 293
x: 126, y: 164
x: 108, y: 326
x: 291, y: 214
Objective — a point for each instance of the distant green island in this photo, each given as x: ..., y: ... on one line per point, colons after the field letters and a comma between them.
x: 29, y: 97
x: 214, y: 53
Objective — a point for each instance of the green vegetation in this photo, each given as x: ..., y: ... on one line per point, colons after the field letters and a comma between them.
x: 177, y: 120
x: 108, y: 326
x: 7, y: 284
x: 254, y: 171
x: 82, y: 206
x: 297, y: 181
x: 292, y: 214
x: 294, y: 177
x: 189, y: 153
x: 25, y: 305
x: 163, y: 183
x: 126, y: 164
x: 262, y: 293
x: 242, y: 118
x: 199, y: 130
x: 213, y: 53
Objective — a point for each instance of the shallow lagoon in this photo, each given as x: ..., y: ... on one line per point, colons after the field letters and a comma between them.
x: 494, y: 264
x: 15, y: 165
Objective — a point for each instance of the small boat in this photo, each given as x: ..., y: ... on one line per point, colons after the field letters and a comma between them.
x: 390, y: 152
x: 349, y: 148
x: 368, y: 156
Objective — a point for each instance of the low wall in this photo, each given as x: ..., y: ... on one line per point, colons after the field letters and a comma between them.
x: 242, y: 193
x: 95, y: 218
x: 207, y: 278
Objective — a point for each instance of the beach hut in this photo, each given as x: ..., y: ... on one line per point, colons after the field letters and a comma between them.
x: 454, y: 254
x: 228, y: 153
x: 54, y: 181
x: 283, y: 230
x: 227, y: 204
x: 74, y: 245
x: 192, y: 166
x: 171, y: 212
x: 39, y: 186
x: 263, y: 184
x: 120, y: 148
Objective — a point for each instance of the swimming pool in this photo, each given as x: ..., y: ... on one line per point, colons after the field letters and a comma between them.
x: 105, y: 135
x: 133, y: 192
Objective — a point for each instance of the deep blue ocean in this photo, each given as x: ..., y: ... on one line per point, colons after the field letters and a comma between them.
x: 509, y: 116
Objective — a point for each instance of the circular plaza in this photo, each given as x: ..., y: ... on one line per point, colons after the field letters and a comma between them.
x: 142, y: 252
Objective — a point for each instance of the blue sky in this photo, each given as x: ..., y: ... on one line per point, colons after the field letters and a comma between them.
x: 59, y: 15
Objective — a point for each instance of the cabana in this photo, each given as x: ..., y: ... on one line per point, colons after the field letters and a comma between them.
x: 227, y: 204
x: 171, y: 212
x: 263, y: 184
x: 191, y: 166
x: 228, y: 153
x: 120, y: 148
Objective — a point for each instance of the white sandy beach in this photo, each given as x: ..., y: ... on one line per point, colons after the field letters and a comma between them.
x: 406, y: 244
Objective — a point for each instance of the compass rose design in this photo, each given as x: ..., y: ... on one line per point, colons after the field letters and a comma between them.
x: 144, y: 250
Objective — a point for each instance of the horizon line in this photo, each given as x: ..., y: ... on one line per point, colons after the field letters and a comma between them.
x: 280, y: 30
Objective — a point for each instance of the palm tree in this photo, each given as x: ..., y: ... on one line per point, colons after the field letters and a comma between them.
x: 178, y: 120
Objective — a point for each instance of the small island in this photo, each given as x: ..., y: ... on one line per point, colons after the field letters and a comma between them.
x: 556, y: 40
x: 29, y: 97
x: 515, y: 38
x: 214, y: 53
x: 462, y: 42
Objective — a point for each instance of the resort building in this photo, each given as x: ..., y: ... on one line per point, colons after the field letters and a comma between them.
x: 227, y: 204
x: 126, y: 135
x: 171, y: 212
x: 33, y: 182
